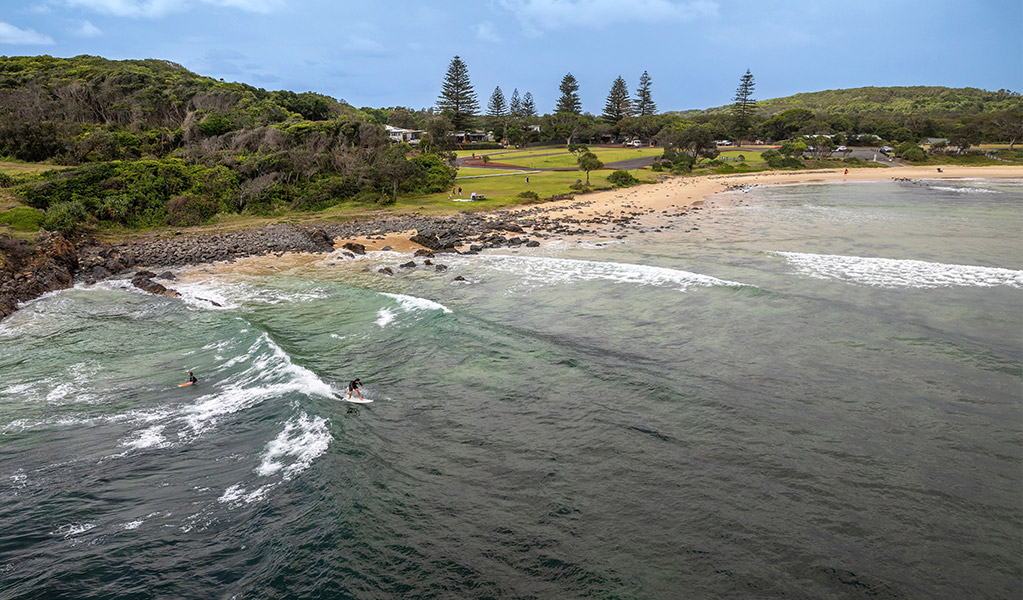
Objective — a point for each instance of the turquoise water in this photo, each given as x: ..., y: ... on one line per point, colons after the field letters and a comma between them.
x: 815, y: 394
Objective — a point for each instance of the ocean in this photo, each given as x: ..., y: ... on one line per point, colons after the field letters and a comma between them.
x: 806, y: 391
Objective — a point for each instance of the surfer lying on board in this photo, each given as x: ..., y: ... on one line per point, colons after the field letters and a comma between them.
x: 192, y: 379
x: 353, y: 386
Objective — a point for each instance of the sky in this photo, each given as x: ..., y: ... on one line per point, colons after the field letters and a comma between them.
x: 395, y: 53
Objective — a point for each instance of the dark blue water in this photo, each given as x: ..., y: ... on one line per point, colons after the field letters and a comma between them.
x: 817, y: 394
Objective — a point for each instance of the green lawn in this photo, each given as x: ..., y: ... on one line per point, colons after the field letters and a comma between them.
x: 566, y: 160
x: 475, y: 171
x: 752, y: 157
x: 500, y: 192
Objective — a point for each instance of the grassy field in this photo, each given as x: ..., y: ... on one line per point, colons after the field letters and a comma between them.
x: 19, y: 168
x: 476, y: 171
x: 752, y: 157
x: 565, y: 160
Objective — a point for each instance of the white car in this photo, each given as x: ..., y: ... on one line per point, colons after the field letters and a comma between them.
x: 636, y: 143
x: 841, y: 149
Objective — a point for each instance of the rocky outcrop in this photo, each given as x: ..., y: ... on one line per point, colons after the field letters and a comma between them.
x: 438, y: 240
x: 143, y: 280
x: 30, y: 270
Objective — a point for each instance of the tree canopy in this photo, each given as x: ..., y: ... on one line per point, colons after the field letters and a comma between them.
x: 618, y: 104
x: 457, y: 99
x: 569, y: 102
x: 644, y: 104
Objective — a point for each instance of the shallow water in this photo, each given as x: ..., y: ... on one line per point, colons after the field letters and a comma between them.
x: 815, y: 393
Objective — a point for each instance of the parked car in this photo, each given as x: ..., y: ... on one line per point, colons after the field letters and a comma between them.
x: 886, y: 149
x: 636, y: 143
x: 841, y: 149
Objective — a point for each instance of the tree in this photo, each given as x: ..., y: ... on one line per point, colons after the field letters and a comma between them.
x: 588, y: 162
x: 528, y: 106
x: 515, y: 105
x: 457, y: 99
x: 497, y: 110
x: 569, y: 102
x: 497, y: 107
x: 618, y: 105
x: 745, y: 105
x: 644, y: 104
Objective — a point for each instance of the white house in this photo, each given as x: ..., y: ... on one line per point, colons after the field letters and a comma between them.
x: 408, y: 136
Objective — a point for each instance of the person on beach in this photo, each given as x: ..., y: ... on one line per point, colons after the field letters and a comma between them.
x: 192, y: 378
x: 459, y: 191
x: 353, y: 386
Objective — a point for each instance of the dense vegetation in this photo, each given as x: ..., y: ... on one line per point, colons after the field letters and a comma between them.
x: 162, y: 145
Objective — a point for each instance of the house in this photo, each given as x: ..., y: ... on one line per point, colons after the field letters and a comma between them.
x: 469, y: 137
x: 408, y: 136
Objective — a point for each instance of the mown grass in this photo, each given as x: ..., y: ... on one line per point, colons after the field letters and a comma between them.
x: 475, y: 171
x: 567, y: 160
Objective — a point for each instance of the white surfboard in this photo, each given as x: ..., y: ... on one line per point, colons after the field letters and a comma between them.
x: 354, y: 399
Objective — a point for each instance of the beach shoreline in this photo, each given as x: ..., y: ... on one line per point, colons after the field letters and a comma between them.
x: 612, y: 214
x: 683, y: 193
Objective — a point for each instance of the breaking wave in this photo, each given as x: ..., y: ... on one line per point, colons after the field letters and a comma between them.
x: 890, y: 272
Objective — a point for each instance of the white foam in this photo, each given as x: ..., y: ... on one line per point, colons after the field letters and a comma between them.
x: 146, y: 438
x: 384, y: 316
x: 246, y: 390
x: 962, y: 190
x: 302, y: 441
x: 72, y: 529
x: 545, y: 271
x: 236, y: 494
x: 889, y: 272
x: 132, y: 525
x: 231, y: 295
x: 412, y: 303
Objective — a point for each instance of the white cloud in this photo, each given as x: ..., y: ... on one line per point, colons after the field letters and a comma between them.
x: 9, y: 34
x: 537, y: 16
x: 160, y: 8
x: 360, y: 44
x: 485, y: 32
x: 88, y: 30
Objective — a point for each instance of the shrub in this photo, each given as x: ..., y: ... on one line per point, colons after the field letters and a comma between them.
x: 914, y: 154
x: 189, y: 209
x: 22, y: 218
x: 622, y: 178
x: 65, y: 217
x: 530, y: 195
x: 769, y: 155
x: 578, y: 185
x: 6, y: 180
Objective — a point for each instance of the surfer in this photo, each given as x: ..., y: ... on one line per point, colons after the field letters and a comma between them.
x: 192, y: 379
x: 353, y: 386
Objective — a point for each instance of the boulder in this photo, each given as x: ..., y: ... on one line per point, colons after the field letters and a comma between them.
x: 532, y: 244
x: 167, y: 275
x: 437, y: 240
x: 355, y: 248
x: 424, y: 252
x: 385, y: 271
x: 441, y: 268
x: 409, y: 265
x: 458, y: 278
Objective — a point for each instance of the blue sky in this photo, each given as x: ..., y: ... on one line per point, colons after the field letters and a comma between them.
x: 396, y: 52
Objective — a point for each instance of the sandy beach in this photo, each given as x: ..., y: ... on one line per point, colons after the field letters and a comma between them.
x: 680, y: 192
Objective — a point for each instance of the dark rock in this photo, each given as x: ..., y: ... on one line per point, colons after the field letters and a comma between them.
x: 424, y: 252
x: 409, y: 265
x: 385, y: 271
x: 458, y: 278
x: 532, y: 244
x: 428, y: 262
x: 386, y: 249
x: 145, y: 275
x: 355, y: 248
x: 441, y: 268
x: 167, y: 275
x: 100, y: 272
x: 475, y: 248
